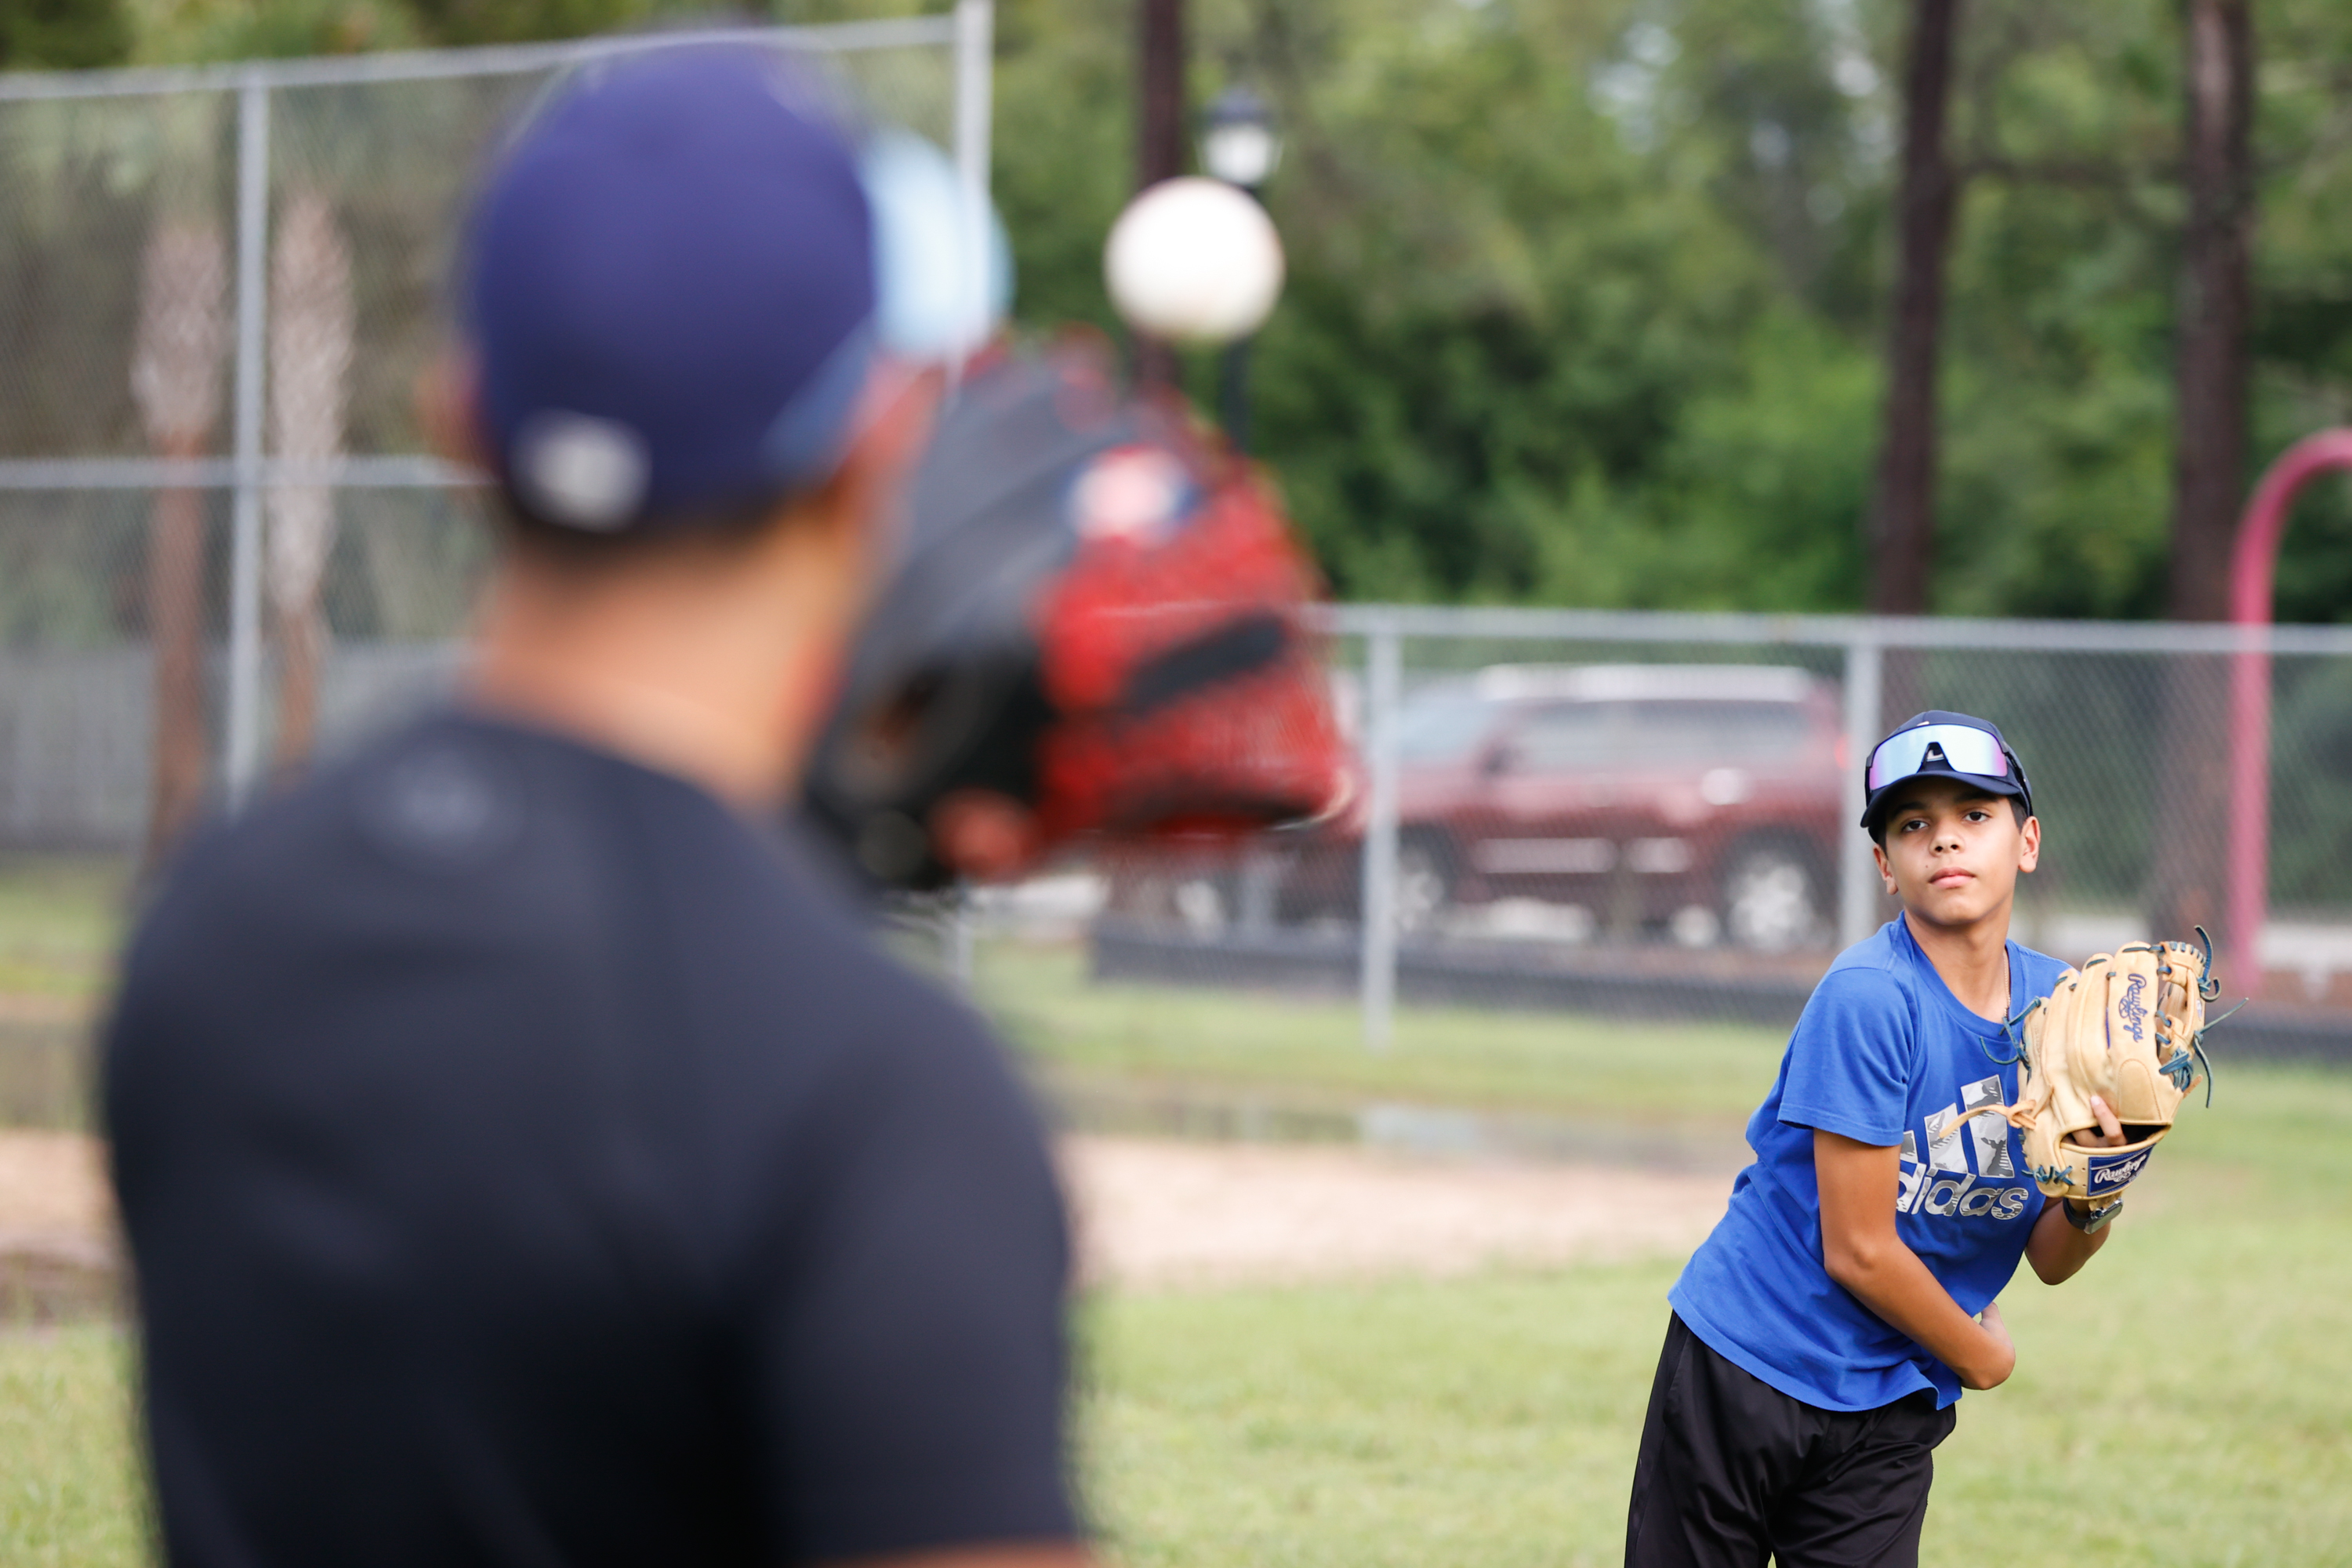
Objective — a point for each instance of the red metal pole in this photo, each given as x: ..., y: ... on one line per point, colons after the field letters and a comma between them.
x: 2253, y: 569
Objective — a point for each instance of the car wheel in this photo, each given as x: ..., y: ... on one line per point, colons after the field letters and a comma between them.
x: 1771, y: 901
x: 1162, y: 896
x: 1424, y: 887
x: 1203, y: 904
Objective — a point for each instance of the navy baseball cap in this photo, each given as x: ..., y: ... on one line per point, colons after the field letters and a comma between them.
x: 1938, y: 744
x: 680, y: 272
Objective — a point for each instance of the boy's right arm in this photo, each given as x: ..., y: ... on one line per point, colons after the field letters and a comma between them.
x: 1861, y: 1252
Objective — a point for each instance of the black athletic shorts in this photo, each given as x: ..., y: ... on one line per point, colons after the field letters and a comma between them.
x: 1732, y: 1470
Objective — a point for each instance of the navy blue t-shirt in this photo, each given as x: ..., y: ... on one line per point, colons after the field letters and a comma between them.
x: 1884, y: 1053
x: 524, y: 1162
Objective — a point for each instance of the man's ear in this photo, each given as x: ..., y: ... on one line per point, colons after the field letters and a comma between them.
x: 1886, y: 868
x: 890, y: 426
x: 894, y: 423
x: 2028, y: 850
x: 448, y: 396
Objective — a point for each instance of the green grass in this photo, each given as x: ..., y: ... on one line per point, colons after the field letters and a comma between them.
x: 2183, y: 1401
x: 60, y: 920
x: 1667, y: 1074
x: 1486, y: 1422
x: 69, y: 1495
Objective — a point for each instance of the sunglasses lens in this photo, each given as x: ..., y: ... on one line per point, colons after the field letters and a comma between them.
x: 1963, y: 750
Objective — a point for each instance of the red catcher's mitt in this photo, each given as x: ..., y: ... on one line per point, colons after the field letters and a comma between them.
x: 1097, y: 613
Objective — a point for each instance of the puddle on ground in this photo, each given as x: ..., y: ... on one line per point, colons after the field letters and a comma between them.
x: 1212, y: 1114
x: 44, y: 1083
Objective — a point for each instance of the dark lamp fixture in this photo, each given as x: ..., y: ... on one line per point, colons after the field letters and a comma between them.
x: 1238, y: 142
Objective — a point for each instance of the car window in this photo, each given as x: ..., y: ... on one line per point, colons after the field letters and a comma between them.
x: 1568, y: 736
x: 1442, y: 726
x: 1664, y: 733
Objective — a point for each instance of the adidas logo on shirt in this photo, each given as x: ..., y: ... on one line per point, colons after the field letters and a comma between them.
x: 1964, y: 1162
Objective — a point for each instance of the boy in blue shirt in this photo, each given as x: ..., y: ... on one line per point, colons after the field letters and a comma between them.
x: 1822, y: 1333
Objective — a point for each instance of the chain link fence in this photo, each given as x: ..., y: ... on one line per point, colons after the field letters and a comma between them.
x: 219, y: 545
x: 219, y: 539
x: 1654, y: 816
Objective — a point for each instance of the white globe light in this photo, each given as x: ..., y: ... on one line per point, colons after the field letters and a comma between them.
x: 1193, y: 260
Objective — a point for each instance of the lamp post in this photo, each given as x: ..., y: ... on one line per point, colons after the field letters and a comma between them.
x: 1241, y: 146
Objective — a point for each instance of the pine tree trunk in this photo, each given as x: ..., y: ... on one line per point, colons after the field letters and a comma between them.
x: 1160, y: 144
x: 1903, y: 517
x: 2189, y: 886
x: 311, y: 330
x: 175, y: 370
x: 175, y: 630
x: 301, y: 651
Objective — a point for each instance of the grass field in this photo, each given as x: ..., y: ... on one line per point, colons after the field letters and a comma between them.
x: 60, y: 917
x: 2184, y: 1402
x: 2194, y: 1377
x: 60, y: 922
x: 2199, y: 1367
x: 1691, y: 1075
x: 69, y: 1492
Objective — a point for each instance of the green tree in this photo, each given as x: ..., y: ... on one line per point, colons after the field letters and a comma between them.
x: 1587, y: 297
x: 200, y: 30
x: 62, y: 35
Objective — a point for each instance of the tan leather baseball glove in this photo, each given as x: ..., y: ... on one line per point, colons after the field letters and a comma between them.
x: 2127, y: 1027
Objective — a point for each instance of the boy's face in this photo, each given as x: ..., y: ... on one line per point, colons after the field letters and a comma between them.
x: 1953, y: 853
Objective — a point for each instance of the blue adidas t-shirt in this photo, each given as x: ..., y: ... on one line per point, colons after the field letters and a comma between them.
x: 1884, y: 1053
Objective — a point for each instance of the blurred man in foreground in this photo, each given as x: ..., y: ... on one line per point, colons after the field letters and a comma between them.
x: 523, y: 1162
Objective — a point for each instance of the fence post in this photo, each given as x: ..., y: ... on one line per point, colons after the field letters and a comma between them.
x: 959, y: 935
x: 1383, y: 668
x: 245, y: 550
x: 975, y: 63
x: 1857, y: 869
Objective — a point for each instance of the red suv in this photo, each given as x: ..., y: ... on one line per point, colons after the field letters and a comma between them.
x: 1704, y: 799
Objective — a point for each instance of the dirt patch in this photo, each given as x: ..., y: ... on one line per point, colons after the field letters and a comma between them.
x: 1160, y: 1213
x: 53, y: 1183
x: 21, y: 1007
x: 58, y: 1257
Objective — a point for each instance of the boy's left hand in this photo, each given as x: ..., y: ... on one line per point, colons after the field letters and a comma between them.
x: 1996, y: 1326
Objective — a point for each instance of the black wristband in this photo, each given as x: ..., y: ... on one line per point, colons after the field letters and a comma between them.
x: 2090, y: 1222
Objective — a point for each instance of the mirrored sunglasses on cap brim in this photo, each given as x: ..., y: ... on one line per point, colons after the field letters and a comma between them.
x: 1965, y: 751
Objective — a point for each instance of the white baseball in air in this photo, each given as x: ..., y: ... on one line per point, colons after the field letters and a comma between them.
x: 1193, y: 260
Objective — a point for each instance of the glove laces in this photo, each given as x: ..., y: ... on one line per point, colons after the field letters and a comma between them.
x: 2187, y: 1058
x: 2009, y: 1027
x: 2182, y: 1066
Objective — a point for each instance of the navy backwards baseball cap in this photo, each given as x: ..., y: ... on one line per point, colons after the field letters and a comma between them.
x: 1937, y: 744
x: 680, y: 272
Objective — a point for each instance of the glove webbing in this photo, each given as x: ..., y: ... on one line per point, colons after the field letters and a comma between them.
x: 2180, y: 1066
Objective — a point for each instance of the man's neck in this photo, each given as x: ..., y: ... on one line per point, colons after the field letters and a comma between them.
x: 1973, y: 960
x: 724, y: 683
